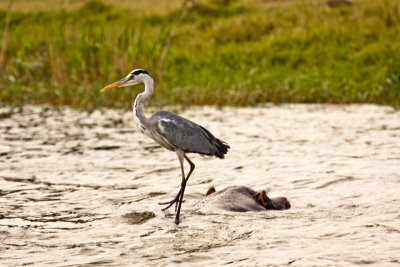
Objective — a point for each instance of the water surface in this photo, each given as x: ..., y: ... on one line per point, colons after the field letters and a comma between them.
x: 82, y: 188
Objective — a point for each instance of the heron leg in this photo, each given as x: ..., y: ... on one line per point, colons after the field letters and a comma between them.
x: 183, y: 186
x: 176, y: 199
x: 184, y: 181
x: 180, y: 155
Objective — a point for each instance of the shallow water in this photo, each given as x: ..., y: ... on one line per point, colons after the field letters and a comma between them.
x: 82, y: 188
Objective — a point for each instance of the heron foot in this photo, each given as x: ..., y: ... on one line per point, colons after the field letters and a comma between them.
x: 170, y: 203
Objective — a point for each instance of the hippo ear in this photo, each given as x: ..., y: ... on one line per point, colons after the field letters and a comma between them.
x: 211, y: 190
x: 262, y: 199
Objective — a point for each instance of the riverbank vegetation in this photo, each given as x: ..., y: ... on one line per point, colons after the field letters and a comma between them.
x: 223, y: 52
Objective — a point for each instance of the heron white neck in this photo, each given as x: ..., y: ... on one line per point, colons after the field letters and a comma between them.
x: 138, y: 112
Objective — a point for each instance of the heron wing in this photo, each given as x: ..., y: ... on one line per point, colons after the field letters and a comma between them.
x: 184, y: 134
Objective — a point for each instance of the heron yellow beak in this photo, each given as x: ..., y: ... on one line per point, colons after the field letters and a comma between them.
x: 113, y: 85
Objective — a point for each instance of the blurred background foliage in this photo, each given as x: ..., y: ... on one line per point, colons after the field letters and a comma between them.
x: 224, y: 52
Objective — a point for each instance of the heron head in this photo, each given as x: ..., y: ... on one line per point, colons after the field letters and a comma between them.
x: 134, y: 77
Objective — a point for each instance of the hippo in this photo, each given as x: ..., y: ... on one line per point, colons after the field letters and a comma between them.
x: 240, y: 199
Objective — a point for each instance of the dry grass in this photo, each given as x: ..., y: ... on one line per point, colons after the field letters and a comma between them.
x: 140, y: 6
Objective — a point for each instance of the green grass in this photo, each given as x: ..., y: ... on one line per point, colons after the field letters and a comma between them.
x: 240, y: 53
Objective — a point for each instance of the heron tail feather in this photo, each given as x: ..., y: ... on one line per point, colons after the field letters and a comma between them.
x: 222, y: 148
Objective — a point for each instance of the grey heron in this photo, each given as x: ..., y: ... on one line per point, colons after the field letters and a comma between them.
x: 171, y: 131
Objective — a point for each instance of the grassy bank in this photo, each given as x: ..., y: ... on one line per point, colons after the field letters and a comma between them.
x: 209, y: 52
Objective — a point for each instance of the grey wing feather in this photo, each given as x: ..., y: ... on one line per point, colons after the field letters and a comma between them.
x: 186, y: 135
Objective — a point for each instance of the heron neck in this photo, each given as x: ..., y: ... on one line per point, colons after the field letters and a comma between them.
x: 138, y: 112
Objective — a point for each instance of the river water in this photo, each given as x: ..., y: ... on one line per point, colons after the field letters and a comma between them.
x: 79, y: 188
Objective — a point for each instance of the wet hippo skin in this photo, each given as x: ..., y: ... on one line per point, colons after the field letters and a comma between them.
x: 241, y: 199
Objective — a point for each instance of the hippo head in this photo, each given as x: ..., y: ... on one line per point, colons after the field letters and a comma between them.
x: 279, y: 203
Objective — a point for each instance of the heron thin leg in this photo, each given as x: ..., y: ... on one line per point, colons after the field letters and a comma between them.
x: 184, y: 181
x: 180, y: 155
x: 180, y: 190
x: 176, y: 199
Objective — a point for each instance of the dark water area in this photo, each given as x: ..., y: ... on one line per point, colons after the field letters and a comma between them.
x: 79, y: 188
